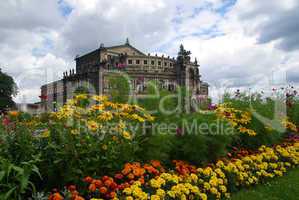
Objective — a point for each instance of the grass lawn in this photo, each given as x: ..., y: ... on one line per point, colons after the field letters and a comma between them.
x: 286, y: 187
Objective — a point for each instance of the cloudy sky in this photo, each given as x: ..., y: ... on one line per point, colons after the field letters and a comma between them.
x: 239, y: 43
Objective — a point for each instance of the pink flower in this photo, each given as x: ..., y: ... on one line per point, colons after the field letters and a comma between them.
x: 121, y: 65
x: 179, y: 132
x: 5, y: 121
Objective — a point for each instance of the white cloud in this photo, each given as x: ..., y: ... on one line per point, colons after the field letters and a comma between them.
x: 238, y: 48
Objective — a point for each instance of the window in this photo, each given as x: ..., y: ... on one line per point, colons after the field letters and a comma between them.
x: 159, y: 62
x: 170, y: 64
x: 165, y: 63
x: 145, y: 62
x: 130, y: 62
x: 137, y: 62
x: 153, y: 62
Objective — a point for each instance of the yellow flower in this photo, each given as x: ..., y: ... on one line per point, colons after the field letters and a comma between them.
x: 203, y: 196
x: 127, y: 191
x: 207, y: 171
x: 157, y: 183
x: 222, y: 188
x: 160, y: 192
x: 200, y: 170
x: 99, y: 98
x: 207, y: 186
x: 137, y: 117
x: 214, y: 190
x: 105, y: 116
x: 105, y: 147
x: 81, y: 97
x: 155, y: 197
x: 171, y: 194
x: 97, y: 107
x: 75, y: 132
x: 126, y: 135
x: 251, y: 132
x: 92, y: 125
x: 227, y: 195
x: 114, y: 138
x: 194, y: 177
x: 45, y: 134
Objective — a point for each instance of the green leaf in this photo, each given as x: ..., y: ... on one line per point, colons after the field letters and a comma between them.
x: 24, y: 183
x: 18, y: 169
x: 2, y: 174
x: 8, y: 194
x: 36, y: 170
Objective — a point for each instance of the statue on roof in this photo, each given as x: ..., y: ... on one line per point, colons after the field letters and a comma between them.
x: 127, y: 41
x: 195, y: 61
x: 183, y: 55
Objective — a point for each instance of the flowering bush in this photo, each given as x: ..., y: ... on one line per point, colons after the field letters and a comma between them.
x: 271, y: 116
x: 93, y: 136
x: 88, y: 135
x: 214, y: 181
x: 237, y: 118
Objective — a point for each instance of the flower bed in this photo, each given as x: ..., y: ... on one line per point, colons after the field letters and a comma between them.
x: 214, y: 181
x: 91, y: 135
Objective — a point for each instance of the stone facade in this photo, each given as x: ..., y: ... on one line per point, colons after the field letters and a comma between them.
x: 92, y: 71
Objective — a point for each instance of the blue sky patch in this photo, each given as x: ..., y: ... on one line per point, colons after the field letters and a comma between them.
x: 226, y: 6
x: 42, y: 51
x: 64, y: 8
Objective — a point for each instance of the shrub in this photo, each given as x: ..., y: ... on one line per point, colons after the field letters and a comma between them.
x: 86, y: 136
x: 15, y: 179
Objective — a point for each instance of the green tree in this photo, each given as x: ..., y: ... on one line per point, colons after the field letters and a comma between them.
x: 81, y: 90
x: 119, y: 88
x: 8, y: 90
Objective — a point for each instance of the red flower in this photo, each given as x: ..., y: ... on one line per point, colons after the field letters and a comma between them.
x: 113, y: 185
x: 104, y: 178
x: 121, y: 187
x: 72, y: 188
x: 88, y: 179
x: 118, y: 176
x: 112, y: 195
x: 5, y: 121
x: 98, y: 183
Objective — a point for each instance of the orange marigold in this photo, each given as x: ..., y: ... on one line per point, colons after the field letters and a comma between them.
x: 55, y: 196
x: 13, y: 113
x: 98, y: 183
x: 131, y: 176
x: 103, y: 190
x: 92, y: 187
x: 108, y: 182
x: 156, y: 163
